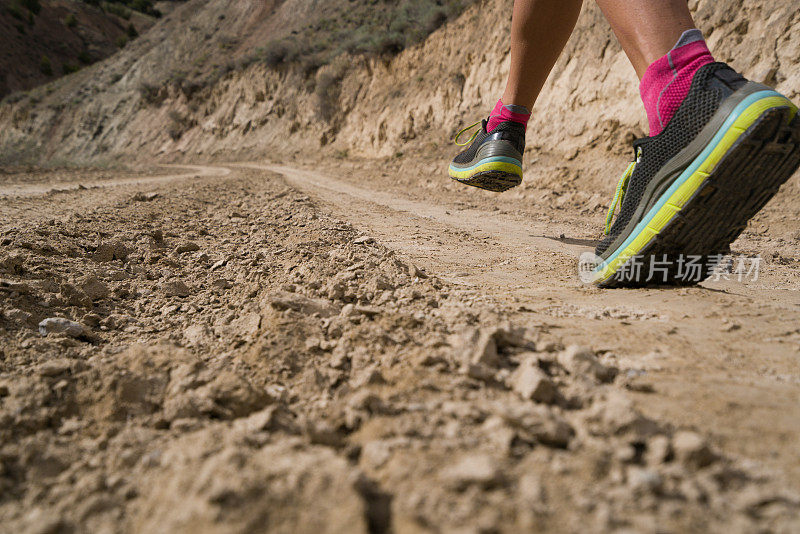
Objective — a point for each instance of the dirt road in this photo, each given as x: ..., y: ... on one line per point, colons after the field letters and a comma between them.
x: 296, y: 287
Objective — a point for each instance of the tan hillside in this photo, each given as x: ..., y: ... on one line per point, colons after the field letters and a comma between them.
x: 51, y: 38
x: 170, y: 94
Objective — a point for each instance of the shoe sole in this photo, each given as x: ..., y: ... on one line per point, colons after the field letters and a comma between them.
x: 492, y: 174
x: 706, y: 208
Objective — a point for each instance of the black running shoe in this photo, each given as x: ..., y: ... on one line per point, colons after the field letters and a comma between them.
x: 693, y: 187
x: 493, y: 161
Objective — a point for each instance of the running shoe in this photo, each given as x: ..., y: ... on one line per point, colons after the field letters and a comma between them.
x: 492, y: 161
x: 691, y: 189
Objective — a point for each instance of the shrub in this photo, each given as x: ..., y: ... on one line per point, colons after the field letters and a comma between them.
x: 45, y: 66
x: 118, y: 10
x: 122, y: 40
x: 70, y: 21
x: 150, y: 93
x: 277, y: 53
x: 84, y: 57
x: 131, y: 31
x: 15, y: 11
x: 68, y: 68
x: 178, y: 125
x: 327, y: 90
x: 32, y: 5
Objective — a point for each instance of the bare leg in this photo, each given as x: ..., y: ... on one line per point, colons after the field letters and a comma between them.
x: 647, y: 29
x: 539, y: 31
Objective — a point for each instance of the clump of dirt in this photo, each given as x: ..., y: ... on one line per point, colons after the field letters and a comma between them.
x: 246, y: 362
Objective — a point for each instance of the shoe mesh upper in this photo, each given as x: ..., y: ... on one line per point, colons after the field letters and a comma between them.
x: 515, y: 134
x: 694, y: 113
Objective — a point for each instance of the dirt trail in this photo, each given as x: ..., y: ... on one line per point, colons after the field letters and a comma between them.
x: 717, y: 356
x: 409, y: 349
x: 33, y: 189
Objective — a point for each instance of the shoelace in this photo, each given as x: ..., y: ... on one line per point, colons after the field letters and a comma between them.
x: 622, y: 188
x: 474, y: 135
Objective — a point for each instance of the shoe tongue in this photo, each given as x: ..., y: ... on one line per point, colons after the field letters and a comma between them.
x: 642, y: 142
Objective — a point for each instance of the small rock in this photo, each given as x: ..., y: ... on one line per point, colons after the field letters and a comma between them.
x: 691, y: 449
x: 645, y: 480
x: 272, y: 418
x: 582, y: 361
x: 369, y: 376
x: 379, y: 283
x: 658, y: 450
x: 91, y: 319
x: 113, y: 250
x: 54, y: 367
x: 376, y: 453
x: 94, y: 288
x: 221, y: 283
x: 531, y: 383
x: 478, y: 347
x: 348, y: 310
x: 617, y: 415
x: 175, y: 288
x: 369, y: 311
x: 281, y: 300
x: 59, y: 325
x: 144, y: 197
x: 364, y: 240
x: 539, y: 423
x: 197, y: 334
x: 323, y: 433
x: 477, y: 469
x: 189, y: 246
x: 479, y: 372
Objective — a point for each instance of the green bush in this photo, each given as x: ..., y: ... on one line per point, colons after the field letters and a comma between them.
x: 45, y: 66
x: 68, y: 68
x: 84, y: 57
x: 122, y: 40
x: 131, y: 31
x: 70, y: 21
x: 118, y: 10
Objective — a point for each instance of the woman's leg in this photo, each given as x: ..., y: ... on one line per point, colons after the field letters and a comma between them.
x: 665, y: 54
x: 647, y: 29
x: 539, y: 31
x: 710, y: 162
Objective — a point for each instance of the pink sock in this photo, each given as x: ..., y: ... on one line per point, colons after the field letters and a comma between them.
x: 666, y: 81
x: 502, y: 113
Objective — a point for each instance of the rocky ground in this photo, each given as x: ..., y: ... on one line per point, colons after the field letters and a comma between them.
x: 231, y: 354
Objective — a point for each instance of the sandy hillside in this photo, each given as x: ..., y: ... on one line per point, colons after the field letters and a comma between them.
x: 305, y: 327
x: 44, y: 40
